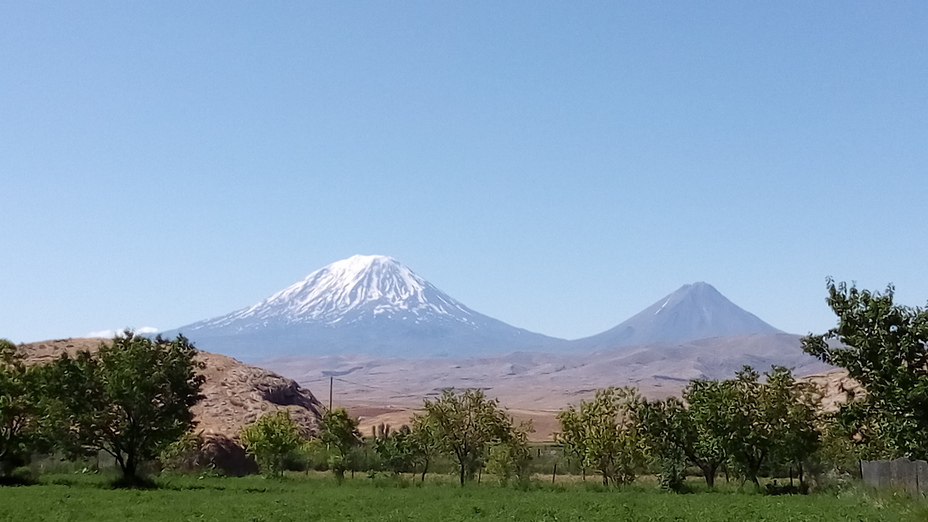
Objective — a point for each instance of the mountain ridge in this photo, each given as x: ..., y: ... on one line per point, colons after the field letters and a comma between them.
x: 373, y: 304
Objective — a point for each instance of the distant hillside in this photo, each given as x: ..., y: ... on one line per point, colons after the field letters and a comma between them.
x: 550, y: 381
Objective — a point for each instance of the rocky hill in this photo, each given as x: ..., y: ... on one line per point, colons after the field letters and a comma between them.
x: 834, y: 388
x: 235, y: 394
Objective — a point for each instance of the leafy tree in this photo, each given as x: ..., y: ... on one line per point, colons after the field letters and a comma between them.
x: 672, y: 438
x: 184, y: 454
x: 511, y: 458
x: 465, y: 425
x: 791, y: 408
x: 705, y: 411
x: 131, y: 400
x: 605, y: 434
x: 884, y: 346
x: 339, y: 434
x: 757, y: 423
x: 398, y: 450
x: 750, y: 433
x: 271, y: 439
x: 424, y: 442
x: 21, y: 432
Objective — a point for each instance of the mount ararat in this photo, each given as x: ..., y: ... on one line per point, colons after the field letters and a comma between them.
x: 361, y: 305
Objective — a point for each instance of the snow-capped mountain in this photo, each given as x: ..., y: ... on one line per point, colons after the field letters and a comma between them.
x: 363, y: 304
x: 693, y: 312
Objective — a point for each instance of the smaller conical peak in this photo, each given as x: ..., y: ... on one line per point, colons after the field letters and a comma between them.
x: 696, y: 289
x: 697, y: 286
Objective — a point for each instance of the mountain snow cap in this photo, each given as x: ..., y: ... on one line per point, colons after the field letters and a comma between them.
x: 351, y: 289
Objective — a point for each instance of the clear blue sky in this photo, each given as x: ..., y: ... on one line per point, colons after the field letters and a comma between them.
x: 557, y: 165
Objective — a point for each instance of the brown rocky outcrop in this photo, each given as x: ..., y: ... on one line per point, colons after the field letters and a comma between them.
x: 834, y: 388
x: 235, y: 395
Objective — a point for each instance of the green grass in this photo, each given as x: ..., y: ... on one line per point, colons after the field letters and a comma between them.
x: 78, y: 497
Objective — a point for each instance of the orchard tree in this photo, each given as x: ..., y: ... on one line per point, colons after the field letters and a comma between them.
x: 791, y: 407
x: 604, y: 434
x: 424, y: 442
x: 511, y: 458
x: 884, y: 346
x: 706, y: 410
x: 270, y: 439
x: 131, y: 399
x: 760, y: 422
x: 398, y: 450
x: 465, y: 425
x: 339, y: 435
x: 676, y: 435
x: 21, y: 431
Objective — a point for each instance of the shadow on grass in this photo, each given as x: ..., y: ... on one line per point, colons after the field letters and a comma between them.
x: 17, y: 480
x: 131, y: 482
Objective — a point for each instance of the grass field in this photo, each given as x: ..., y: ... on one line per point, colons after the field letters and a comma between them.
x: 187, y: 498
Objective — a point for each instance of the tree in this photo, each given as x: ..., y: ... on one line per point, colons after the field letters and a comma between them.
x: 270, y: 439
x: 131, y: 400
x: 398, y: 450
x: 339, y: 434
x: 604, y: 434
x: 796, y: 420
x: 424, y: 442
x: 756, y: 423
x: 705, y: 410
x: 464, y: 425
x: 884, y: 346
x: 21, y: 432
x: 511, y: 458
x: 674, y: 437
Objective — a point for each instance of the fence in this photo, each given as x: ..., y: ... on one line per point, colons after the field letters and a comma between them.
x: 912, y: 476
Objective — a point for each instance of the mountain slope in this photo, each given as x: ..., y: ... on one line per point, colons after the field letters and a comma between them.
x: 693, y: 312
x: 363, y: 304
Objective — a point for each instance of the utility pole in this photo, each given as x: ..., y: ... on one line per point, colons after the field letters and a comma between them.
x: 331, y: 379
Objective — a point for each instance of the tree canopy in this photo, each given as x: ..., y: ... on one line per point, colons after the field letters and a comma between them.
x: 884, y: 346
x: 465, y: 425
x: 604, y: 434
x: 21, y: 415
x: 339, y: 435
x: 270, y: 439
x: 131, y: 399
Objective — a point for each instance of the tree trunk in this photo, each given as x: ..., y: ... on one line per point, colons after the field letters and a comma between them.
x: 709, y: 473
x: 6, y: 467
x: 129, y: 467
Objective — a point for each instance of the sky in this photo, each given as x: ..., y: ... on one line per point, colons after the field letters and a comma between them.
x: 556, y: 165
